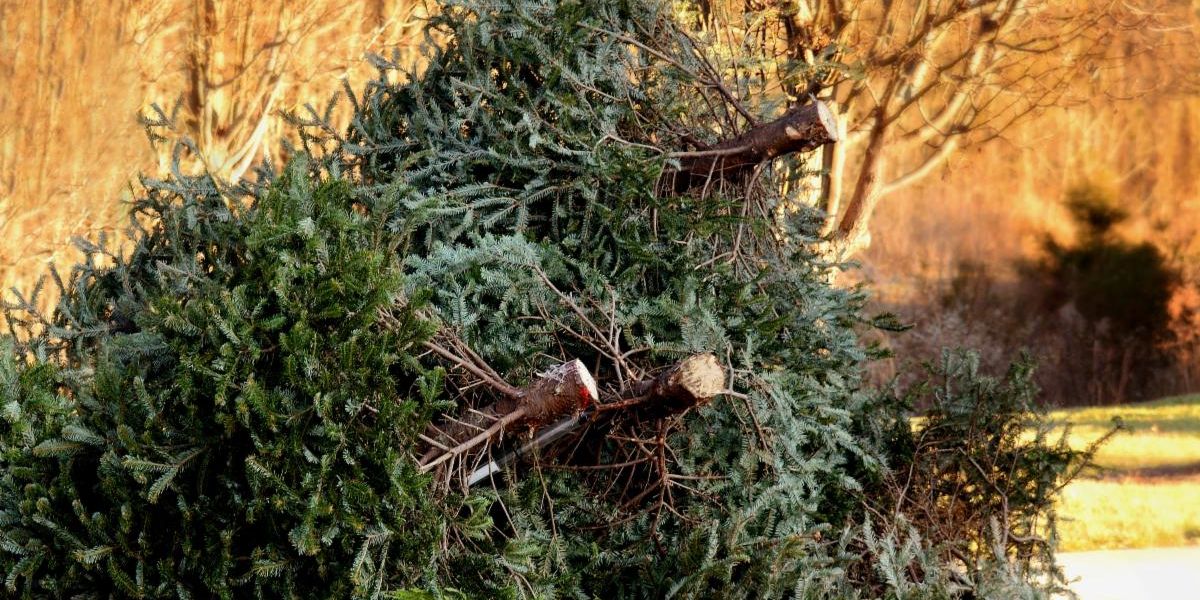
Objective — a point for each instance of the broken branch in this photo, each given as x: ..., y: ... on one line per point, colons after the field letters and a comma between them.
x: 691, y: 382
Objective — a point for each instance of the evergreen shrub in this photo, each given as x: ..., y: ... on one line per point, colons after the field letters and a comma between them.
x: 218, y: 411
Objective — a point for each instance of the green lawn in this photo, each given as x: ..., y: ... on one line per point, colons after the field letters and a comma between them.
x: 1112, y: 514
x: 1148, y: 493
x: 1164, y: 434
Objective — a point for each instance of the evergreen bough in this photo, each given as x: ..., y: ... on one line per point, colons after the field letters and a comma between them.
x: 234, y: 407
x: 227, y: 415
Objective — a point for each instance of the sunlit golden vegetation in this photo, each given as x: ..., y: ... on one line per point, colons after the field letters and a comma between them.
x: 76, y: 75
x: 1147, y: 493
x: 1160, y: 436
x: 1105, y: 515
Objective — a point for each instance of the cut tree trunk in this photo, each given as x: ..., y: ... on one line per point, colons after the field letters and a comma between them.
x: 801, y: 129
x: 565, y: 389
x: 691, y: 382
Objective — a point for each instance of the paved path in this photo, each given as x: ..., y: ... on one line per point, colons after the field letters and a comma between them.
x: 1154, y: 574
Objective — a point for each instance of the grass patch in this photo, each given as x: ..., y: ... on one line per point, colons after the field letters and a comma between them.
x: 1164, y: 434
x: 1111, y: 514
x: 1149, y: 494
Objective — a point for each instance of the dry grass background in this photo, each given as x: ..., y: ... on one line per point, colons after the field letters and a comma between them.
x: 992, y: 208
x: 1133, y: 125
x: 75, y: 73
x: 997, y: 202
x: 947, y: 252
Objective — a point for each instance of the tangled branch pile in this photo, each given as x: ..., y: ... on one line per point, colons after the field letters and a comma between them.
x: 472, y: 346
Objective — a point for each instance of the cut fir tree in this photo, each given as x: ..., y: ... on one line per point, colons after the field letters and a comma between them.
x: 308, y: 386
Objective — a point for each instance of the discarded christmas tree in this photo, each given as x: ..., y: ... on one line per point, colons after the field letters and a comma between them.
x: 539, y: 324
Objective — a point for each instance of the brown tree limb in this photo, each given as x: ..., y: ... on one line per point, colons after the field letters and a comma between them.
x: 801, y: 129
x: 475, y: 366
x: 564, y: 389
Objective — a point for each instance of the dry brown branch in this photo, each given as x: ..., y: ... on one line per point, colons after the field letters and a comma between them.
x: 800, y: 129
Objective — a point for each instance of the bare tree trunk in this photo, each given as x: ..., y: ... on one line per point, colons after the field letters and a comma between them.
x: 43, y: 47
x: 1125, y: 375
x: 853, y: 232
x: 834, y: 162
x: 204, y: 26
x: 810, y: 186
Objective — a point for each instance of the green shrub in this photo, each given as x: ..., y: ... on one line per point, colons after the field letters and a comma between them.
x: 1115, y: 284
x: 226, y: 415
x: 1107, y: 322
x: 979, y: 473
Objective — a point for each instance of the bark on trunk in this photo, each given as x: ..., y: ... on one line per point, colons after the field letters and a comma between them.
x: 565, y: 389
x: 800, y: 129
